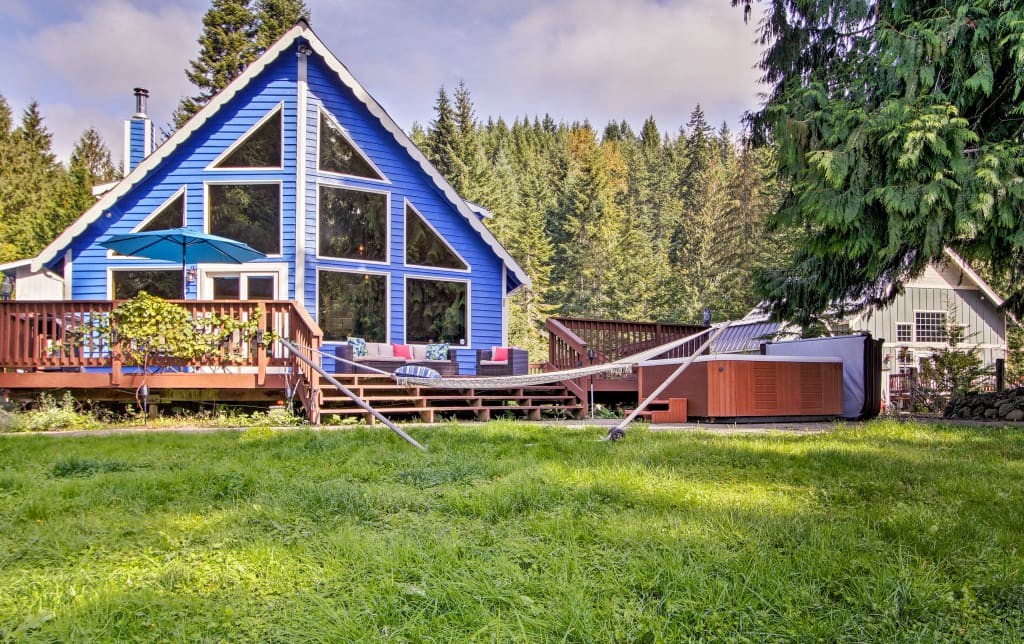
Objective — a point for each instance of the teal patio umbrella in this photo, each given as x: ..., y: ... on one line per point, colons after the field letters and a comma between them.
x: 182, y: 244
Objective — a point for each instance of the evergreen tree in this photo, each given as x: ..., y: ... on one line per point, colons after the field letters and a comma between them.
x: 442, y: 138
x: 900, y: 132
x: 90, y: 165
x: 235, y: 33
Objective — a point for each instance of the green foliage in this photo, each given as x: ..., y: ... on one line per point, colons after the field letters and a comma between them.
x: 147, y: 329
x: 514, y: 532
x: 235, y: 33
x: 50, y: 414
x: 899, y: 132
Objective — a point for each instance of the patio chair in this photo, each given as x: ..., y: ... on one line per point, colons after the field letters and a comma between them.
x: 516, y: 364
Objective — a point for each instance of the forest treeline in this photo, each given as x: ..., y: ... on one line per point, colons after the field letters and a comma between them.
x: 645, y: 225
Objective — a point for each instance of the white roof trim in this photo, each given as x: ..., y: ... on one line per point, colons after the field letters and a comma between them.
x: 974, y: 277
x: 170, y: 145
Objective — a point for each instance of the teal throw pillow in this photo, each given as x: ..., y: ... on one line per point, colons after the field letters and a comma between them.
x: 437, y: 352
x: 358, y: 347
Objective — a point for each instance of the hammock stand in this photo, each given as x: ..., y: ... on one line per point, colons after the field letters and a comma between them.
x: 288, y: 344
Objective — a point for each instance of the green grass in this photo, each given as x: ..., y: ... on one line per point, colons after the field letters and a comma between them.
x: 514, y: 532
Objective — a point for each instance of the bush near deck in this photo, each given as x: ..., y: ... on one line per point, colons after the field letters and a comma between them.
x: 514, y: 532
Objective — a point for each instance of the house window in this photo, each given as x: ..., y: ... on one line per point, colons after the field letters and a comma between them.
x: 904, y: 332
x: 259, y: 148
x: 352, y: 305
x: 249, y: 213
x: 353, y: 224
x: 436, y: 311
x: 929, y: 326
x: 904, y: 360
x: 161, y: 283
x: 169, y: 215
x: 424, y: 247
x: 337, y: 153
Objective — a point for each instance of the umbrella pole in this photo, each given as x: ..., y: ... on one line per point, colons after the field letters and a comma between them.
x: 184, y: 272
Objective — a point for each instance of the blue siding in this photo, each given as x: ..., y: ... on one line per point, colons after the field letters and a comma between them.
x: 186, y: 166
x: 137, y: 142
x: 406, y: 180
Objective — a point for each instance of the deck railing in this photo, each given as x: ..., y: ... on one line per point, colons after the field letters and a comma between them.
x: 55, y: 335
x: 570, y: 340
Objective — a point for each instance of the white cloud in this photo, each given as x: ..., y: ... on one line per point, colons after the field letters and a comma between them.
x: 87, y: 66
x: 607, y: 58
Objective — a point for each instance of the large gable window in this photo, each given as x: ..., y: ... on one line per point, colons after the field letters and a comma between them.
x: 247, y: 212
x: 353, y: 224
x: 260, y: 147
x: 424, y: 247
x: 161, y: 283
x: 352, y: 305
x: 337, y: 153
x: 436, y: 311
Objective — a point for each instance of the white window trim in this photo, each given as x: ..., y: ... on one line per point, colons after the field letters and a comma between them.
x: 243, y: 182
x: 146, y: 267
x: 910, y: 326
x: 405, y: 237
x: 321, y: 112
x: 212, y: 167
x: 387, y: 291
x: 387, y: 224
x: 206, y: 272
x: 945, y: 325
x: 432, y: 278
x: 182, y: 191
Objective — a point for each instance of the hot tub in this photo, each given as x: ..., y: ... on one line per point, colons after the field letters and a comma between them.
x: 750, y: 386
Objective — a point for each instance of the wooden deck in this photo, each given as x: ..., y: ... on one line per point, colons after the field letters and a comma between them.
x: 428, y: 404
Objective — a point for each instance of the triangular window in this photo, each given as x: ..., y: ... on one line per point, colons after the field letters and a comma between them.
x: 339, y: 154
x: 424, y: 247
x: 260, y: 147
x: 170, y: 215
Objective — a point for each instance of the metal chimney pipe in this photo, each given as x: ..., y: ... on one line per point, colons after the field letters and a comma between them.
x: 141, y: 95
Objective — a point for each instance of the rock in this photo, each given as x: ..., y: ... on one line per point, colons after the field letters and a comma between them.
x: 1005, y: 409
x: 1015, y: 415
x: 990, y: 413
x: 964, y: 413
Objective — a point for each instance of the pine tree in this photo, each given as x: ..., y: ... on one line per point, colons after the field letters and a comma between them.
x: 442, y: 136
x: 90, y: 165
x: 234, y: 34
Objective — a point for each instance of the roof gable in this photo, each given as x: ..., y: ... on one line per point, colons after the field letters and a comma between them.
x: 300, y: 31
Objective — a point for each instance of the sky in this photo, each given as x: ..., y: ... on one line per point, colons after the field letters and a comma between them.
x: 599, y: 60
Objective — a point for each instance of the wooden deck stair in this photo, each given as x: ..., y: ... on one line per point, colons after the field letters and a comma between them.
x: 428, y: 404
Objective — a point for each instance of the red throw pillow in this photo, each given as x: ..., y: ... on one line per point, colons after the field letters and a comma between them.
x: 402, y: 351
x: 499, y: 354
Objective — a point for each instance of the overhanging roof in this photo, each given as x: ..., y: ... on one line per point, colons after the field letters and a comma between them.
x: 300, y: 30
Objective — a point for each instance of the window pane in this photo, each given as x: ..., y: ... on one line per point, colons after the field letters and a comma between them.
x: 353, y: 224
x: 165, y: 284
x: 352, y: 304
x: 904, y: 333
x: 261, y: 149
x: 435, y: 311
x: 260, y: 287
x: 248, y: 213
x: 424, y: 248
x: 170, y: 216
x: 225, y: 288
x: 337, y: 154
x: 929, y: 327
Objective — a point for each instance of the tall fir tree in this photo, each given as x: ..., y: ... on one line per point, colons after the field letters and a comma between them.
x: 235, y: 33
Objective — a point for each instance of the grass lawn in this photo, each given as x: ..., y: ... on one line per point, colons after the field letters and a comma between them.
x: 514, y: 532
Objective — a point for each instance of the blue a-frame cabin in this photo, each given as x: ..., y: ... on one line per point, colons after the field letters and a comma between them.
x: 296, y: 159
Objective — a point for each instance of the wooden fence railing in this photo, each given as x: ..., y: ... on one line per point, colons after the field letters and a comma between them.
x: 55, y: 335
x: 570, y: 340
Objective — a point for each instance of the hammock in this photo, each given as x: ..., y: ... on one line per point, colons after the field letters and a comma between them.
x: 620, y: 367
